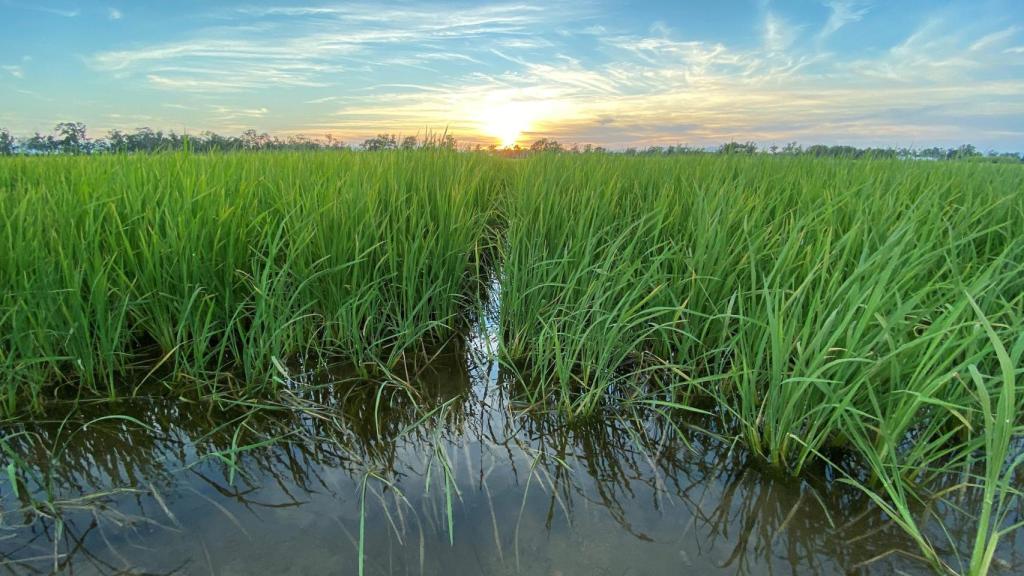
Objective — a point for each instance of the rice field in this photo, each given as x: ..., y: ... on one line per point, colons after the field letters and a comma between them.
x: 861, y: 320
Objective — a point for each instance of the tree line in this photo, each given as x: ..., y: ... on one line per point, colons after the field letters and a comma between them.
x: 71, y: 138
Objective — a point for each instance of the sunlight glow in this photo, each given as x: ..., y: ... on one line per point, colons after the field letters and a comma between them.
x: 506, y: 122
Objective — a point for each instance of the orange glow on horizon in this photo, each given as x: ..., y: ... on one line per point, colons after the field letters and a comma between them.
x: 505, y: 122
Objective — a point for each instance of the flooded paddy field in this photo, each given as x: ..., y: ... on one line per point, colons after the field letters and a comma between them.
x: 452, y: 479
x: 427, y: 362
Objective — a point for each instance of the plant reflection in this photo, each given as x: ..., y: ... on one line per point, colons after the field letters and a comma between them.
x: 447, y: 453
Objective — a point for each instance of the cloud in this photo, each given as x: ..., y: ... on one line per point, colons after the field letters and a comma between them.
x: 307, y: 47
x: 656, y: 87
x: 523, y: 43
x: 62, y: 12
x: 995, y: 38
x: 778, y: 33
x: 941, y: 50
x: 232, y: 113
x: 114, y: 14
x: 184, y: 79
x: 14, y: 70
x: 657, y: 90
x: 843, y: 12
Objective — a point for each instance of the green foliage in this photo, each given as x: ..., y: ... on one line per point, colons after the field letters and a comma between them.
x: 866, y: 314
x: 823, y: 307
x: 209, y: 266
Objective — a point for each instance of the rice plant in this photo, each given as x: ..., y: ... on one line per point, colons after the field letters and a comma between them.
x: 864, y: 316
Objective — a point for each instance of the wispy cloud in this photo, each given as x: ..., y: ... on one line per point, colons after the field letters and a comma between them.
x: 412, y: 67
x: 843, y: 12
x: 233, y: 113
x: 995, y: 38
x: 940, y: 50
x: 62, y: 12
x: 779, y: 34
x: 13, y: 70
x: 114, y: 14
x: 660, y: 90
x: 307, y: 48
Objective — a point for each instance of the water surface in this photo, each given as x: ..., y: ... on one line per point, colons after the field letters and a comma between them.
x: 445, y: 476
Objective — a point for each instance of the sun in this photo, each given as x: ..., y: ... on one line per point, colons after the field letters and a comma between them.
x: 505, y: 122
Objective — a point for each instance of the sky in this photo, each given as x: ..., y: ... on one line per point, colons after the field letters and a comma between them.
x: 617, y: 74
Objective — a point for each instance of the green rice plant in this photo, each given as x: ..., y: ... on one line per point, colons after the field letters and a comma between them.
x: 819, y: 305
x: 581, y: 271
x: 1000, y: 424
x: 207, y: 267
x: 859, y: 314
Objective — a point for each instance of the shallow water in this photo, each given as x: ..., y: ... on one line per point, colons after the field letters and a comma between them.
x: 183, y: 488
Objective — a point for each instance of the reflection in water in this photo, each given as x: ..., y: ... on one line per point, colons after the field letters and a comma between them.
x: 446, y: 477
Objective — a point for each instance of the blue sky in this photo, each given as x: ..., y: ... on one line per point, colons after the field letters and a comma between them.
x: 865, y: 72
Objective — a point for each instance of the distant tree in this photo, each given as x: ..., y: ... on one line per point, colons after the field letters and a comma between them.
x: 964, y: 152
x: 39, y: 144
x: 7, y: 146
x: 331, y: 142
x: 71, y: 137
x: 546, y: 145
x: 117, y: 141
x: 792, y: 149
x: 684, y: 149
x: 381, y: 142
x: 448, y: 142
x: 145, y: 140
x: 214, y: 141
x: 879, y: 153
x: 301, y: 142
x: 253, y: 140
x: 737, y: 148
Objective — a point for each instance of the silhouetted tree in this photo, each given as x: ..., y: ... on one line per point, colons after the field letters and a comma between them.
x: 71, y: 137
x: 39, y: 144
x: 381, y: 142
x: 7, y: 147
x: 253, y: 140
x: 546, y: 145
x: 963, y: 152
x: 737, y: 148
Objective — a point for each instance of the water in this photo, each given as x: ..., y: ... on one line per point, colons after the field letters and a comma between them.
x: 184, y: 488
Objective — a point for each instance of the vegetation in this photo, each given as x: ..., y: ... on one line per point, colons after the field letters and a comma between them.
x: 211, y: 266
x: 864, y: 313
x: 71, y: 138
x: 867, y: 316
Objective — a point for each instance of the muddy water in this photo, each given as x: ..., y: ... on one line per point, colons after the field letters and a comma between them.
x: 450, y: 478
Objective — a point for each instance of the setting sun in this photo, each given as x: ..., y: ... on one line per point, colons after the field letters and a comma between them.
x: 506, y: 123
